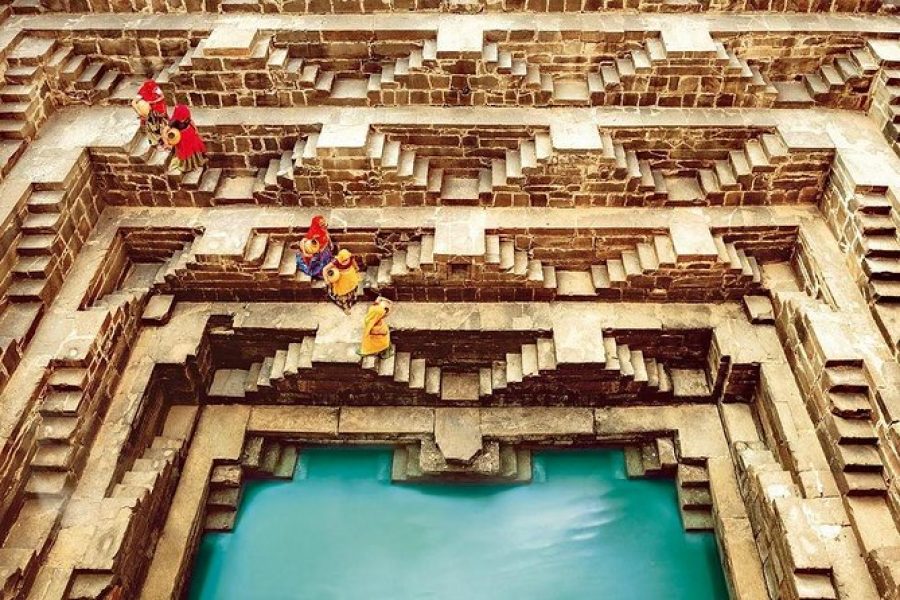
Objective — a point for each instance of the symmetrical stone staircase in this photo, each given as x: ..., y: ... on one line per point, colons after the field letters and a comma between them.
x: 507, y: 378
x: 447, y: 180
x: 649, y: 269
x: 442, y: 71
x: 26, y: 7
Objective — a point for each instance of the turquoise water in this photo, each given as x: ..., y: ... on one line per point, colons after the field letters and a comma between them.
x: 341, y: 531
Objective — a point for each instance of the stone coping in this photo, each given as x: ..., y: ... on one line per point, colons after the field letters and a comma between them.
x: 431, y: 22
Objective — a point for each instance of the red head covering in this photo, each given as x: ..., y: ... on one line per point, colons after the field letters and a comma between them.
x: 318, y: 231
x: 181, y: 113
x: 150, y: 92
x: 190, y: 143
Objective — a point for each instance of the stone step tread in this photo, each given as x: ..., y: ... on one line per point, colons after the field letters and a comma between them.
x: 514, y: 372
x: 432, y: 380
x: 529, y: 354
x: 58, y: 428
x: 417, y: 369
x: 46, y: 483
x: 228, y: 383
x: 498, y: 375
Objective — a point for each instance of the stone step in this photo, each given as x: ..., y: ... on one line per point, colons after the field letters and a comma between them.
x: 862, y: 483
x: 228, y: 383
x: 28, y: 290
x: 577, y: 283
x: 884, y: 290
x: 46, y: 483
x: 42, y: 223
x: 884, y: 246
x: 498, y: 375
x: 61, y: 403
x: 460, y: 387
x: 882, y: 268
x: 32, y: 245
x: 851, y: 430
x: 432, y: 380
x: 53, y: 457
x: 854, y: 405
x: 417, y: 370
x: 514, y: 372
x: 57, y: 428
x: 859, y: 458
x: 846, y: 379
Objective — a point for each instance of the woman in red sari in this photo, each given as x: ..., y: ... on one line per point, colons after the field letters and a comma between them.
x: 150, y: 105
x: 189, y: 150
x: 316, y: 249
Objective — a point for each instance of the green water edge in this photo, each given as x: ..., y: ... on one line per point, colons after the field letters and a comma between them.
x: 340, y: 530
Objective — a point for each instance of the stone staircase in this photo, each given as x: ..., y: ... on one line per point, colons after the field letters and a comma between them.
x: 64, y: 408
x: 630, y: 73
x: 37, y: 64
x: 626, y: 79
x: 629, y: 367
x: 260, y: 458
x: 658, y: 458
x: 848, y: 429
x: 472, y: 181
x: 851, y: 71
x: 874, y: 237
x: 648, y: 269
x: 26, y: 543
x: 148, y: 159
x: 645, y: 260
x: 36, y: 273
x: 445, y: 180
x: 134, y: 507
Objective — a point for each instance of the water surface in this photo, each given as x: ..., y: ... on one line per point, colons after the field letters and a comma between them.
x: 341, y: 531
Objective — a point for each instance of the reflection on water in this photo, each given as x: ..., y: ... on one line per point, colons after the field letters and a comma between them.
x: 341, y: 530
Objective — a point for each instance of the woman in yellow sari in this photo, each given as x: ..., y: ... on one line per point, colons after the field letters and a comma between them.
x: 342, y: 278
x: 376, y: 338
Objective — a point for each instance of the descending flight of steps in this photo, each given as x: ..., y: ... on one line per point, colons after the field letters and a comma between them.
x: 848, y: 422
x: 260, y: 458
x: 36, y: 273
x: 67, y: 405
x: 876, y: 218
x: 472, y: 183
x: 636, y: 371
x: 502, y: 255
x: 413, y: 264
x: 615, y: 75
x: 205, y: 179
x: 659, y: 458
x: 409, y: 73
x: 836, y: 76
x: 38, y: 62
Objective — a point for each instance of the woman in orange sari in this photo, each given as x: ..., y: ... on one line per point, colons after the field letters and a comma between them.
x: 376, y: 338
x: 342, y: 278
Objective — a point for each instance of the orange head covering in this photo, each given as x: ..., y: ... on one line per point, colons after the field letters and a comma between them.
x: 343, y: 259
